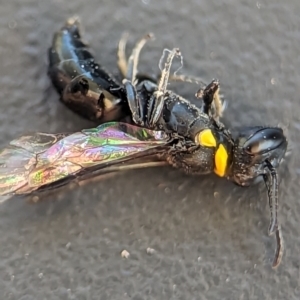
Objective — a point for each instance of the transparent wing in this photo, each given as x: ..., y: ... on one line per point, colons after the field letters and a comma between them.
x: 33, y: 161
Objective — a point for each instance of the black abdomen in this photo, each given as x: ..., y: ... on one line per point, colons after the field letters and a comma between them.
x: 84, y: 85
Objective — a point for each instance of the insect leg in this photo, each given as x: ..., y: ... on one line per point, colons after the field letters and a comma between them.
x: 218, y: 104
x: 135, y: 103
x: 134, y: 58
x: 211, y: 99
x: 187, y: 78
x: 156, y: 102
x: 123, y: 63
x: 122, y: 60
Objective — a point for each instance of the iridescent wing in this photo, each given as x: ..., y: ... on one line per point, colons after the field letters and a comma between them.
x: 41, y: 159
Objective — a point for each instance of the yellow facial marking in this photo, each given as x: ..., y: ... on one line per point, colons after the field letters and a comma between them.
x: 206, y: 138
x: 221, y: 157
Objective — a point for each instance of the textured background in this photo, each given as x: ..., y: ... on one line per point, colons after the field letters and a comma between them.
x: 210, y: 237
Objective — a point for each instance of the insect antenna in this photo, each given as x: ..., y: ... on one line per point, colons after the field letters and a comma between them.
x: 271, y: 181
x: 273, y: 196
x: 279, y: 248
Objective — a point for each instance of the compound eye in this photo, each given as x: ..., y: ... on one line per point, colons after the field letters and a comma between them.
x: 265, y: 140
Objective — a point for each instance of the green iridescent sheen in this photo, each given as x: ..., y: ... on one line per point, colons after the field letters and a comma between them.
x: 33, y: 161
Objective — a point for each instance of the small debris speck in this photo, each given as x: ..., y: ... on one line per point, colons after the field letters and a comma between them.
x: 150, y: 250
x: 35, y: 199
x: 216, y: 194
x: 125, y: 254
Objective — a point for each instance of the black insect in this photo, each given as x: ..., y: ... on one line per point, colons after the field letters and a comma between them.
x: 163, y: 124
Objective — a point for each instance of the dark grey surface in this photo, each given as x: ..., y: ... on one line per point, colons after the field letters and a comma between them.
x: 210, y: 237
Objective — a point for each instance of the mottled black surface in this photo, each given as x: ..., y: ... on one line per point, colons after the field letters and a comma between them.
x: 210, y: 237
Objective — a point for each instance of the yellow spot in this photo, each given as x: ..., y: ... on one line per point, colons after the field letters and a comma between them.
x: 221, y: 161
x: 206, y: 138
